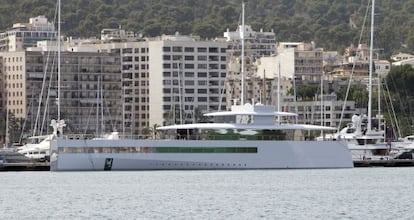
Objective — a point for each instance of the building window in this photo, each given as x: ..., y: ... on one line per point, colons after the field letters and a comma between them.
x: 127, y: 50
x: 189, y: 66
x: 202, y: 66
x: 177, y: 49
x: 202, y: 91
x: 202, y: 49
x: 189, y: 74
x: 189, y: 58
x: 213, y: 50
x: 189, y: 49
x: 202, y: 99
x: 189, y: 91
x: 189, y: 83
x: 177, y: 57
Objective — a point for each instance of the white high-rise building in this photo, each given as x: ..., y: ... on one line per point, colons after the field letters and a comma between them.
x: 301, y: 60
x: 186, y: 78
x: 169, y: 79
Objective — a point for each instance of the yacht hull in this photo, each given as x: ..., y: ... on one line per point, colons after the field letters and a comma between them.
x: 83, y: 155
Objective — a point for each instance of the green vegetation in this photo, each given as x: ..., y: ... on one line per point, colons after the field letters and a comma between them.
x: 358, y: 93
x: 400, y: 81
x: 332, y: 24
x: 305, y: 92
x: 15, y: 127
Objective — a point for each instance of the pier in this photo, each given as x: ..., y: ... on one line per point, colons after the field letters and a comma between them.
x: 25, y: 166
x: 13, y: 161
x: 385, y: 163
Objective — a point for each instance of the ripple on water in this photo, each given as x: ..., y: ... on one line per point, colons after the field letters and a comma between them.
x: 372, y: 193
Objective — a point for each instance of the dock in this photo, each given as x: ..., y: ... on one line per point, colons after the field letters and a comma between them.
x: 25, y: 166
x: 13, y: 161
x: 385, y: 163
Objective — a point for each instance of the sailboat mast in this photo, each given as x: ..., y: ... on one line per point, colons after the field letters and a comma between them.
x: 58, y: 77
x: 7, y: 136
x: 278, y: 93
x: 242, y: 57
x: 370, y: 68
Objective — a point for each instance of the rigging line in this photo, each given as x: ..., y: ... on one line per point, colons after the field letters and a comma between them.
x: 25, y: 121
x: 43, y: 85
x: 394, y: 84
x: 393, y: 111
x: 89, y: 117
x: 387, y: 104
x: 352, y: 70
x: 47, y: 97
x: 39, y: 105
x: 92, y: 107
x: 112, y: 121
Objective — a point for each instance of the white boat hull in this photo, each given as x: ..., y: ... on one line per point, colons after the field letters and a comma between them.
x: 269, y: 155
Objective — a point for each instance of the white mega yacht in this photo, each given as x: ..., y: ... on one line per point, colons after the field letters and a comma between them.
x: 253, y: 140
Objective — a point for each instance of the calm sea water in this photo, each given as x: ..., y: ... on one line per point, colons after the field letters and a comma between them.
x: 361, y: 193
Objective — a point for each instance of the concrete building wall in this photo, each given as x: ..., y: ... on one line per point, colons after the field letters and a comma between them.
x: 155, y: 80
x: 90, y: 86
x: 24, y: 35
x: 14, y: 76
x: 309, y: 112
x: 186, y: 79
x: 135, y: 83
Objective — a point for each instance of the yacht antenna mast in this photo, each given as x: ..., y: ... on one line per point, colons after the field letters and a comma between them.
x: 7, y: 136
x: 278, y: 93
x: 58, y: 77
x: 242, y: 57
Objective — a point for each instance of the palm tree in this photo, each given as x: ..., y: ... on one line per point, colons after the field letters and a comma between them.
x: 151, y: 131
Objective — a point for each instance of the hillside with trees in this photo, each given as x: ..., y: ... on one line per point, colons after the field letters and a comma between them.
x: 332, y: 24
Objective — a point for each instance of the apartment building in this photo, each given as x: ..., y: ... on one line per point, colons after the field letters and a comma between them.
x: 302, y: 61
x: 257, y: 45
x: 186, y: 78
x: 327, y: 112
x: 170, y: 79
x: 135, y: 88
x: 14, y: 84
x: 402, y: 56
x: 90, y: 86
x: 24, y: 35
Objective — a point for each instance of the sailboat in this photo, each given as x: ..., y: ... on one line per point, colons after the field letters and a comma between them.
x: 41, y: 151
x: 366, y: 140
x: 246, y: 137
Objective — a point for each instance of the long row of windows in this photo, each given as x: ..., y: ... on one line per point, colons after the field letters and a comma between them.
x: 14, y: 59
x: 158, y: 150
x: 192, y: 49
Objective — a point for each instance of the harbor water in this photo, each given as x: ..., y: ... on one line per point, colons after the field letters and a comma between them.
x: 361, y: 193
